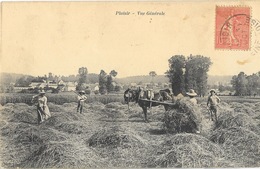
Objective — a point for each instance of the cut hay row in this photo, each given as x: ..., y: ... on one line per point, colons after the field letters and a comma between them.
x: 234, y: 119
x: 188, y: 151
x: 115, y: 137
x: 62, y: 154
x: 240, y: 145
x: 110, y: 135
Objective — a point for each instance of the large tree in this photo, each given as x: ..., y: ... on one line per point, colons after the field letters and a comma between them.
x: 176, y: 73
x: 83, y: 71
x: 102, y: 82
x: 196, y: 75
x: 110, y: 80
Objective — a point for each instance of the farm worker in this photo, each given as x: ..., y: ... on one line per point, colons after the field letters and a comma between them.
x: 42, y: 108
x: 81, y: 101
x: 193, y: 101
x: 212, y: 103
x: 192, y: 95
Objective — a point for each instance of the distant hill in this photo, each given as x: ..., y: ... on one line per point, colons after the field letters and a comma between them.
x: 7, y: 78
x: 163, y: 79
x: 215, y: 80
x: 143, y: 79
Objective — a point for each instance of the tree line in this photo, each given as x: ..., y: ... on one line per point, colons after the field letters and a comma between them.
x: 188, y: 73
x: 246, y: 85
x: 106, y: 81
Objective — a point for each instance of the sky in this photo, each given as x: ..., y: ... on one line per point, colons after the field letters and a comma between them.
x: 59, y: 37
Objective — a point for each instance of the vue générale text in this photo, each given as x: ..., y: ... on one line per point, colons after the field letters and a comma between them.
x: 140, y: 13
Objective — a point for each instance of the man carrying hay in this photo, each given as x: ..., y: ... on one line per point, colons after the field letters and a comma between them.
x: 81, y: 101
x: 42, y: 108
x: 212, y: 103
x: 192, y: 95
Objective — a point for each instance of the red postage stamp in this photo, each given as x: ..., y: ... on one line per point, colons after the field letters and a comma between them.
x: 232, y: 28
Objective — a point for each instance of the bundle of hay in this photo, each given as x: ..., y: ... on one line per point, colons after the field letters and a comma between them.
x: 240, y: 145
x: 184, y: 117
x: 74, y: 127
x: 55, y: 108
x: 68, y: 105
x: 245, y: 109
x: 188, y: 151
x: 116, y: 105
x: 230, y: 120
x: 62, y: 154
x: 112, y: 113
x: 115, y: 137
x: 60, y: 117
x: 24, y: 116
x: 96, y: 105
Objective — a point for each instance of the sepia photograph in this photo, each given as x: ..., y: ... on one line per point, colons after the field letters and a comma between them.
x: 127, y: 84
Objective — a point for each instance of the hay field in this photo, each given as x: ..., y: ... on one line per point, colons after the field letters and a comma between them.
x: 108, y: 135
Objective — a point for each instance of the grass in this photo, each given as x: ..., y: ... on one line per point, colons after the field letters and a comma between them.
x: 61, y: 98
x: 110, y: 135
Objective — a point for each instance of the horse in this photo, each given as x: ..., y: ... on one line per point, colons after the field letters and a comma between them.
x: 141, y: 97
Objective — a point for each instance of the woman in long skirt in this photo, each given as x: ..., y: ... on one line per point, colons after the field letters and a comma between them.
x: 42, y: 107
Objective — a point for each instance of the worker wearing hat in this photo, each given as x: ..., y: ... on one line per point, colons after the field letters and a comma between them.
x: 212, y: 103
x: 192, y: 95
x: 42, y: 107
x: 81, y: 101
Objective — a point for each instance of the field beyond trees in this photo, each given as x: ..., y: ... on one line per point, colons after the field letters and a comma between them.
x: 110, y: 135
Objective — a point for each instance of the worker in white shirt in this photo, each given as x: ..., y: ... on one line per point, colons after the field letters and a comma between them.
x: 81, y: 101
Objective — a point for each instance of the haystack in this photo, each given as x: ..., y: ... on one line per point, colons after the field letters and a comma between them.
x: 60, y: 117
x: 116, y: 105
x: 55, y: 108
x: 96, y: 105
x: 24, y: 116
x: 240, y: 145
x: 74, y: 127
x: 186, y: 150
x: 62, y: 154
x: 115, y: 137
x: 183, y: 118
x: 230, y: 120
x: 107, y: 113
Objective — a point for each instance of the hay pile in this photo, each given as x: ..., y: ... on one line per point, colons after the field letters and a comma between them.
x: 73, y: 127
x: 60, y: 117
x: 243, y: 108
x: 55, y: 108
x: 188, y: 151
x: 116, y: 105
x: 230, y: 120
x: 114, y: 137
x: 240, y: 145
x: 96, y: 106
x: 62, y: 154
x: 183, y: 118
x: 24, y: 116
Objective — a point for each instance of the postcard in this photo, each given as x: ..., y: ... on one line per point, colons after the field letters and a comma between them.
x: 130, y: 84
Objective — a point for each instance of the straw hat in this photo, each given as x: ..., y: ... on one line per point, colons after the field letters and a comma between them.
x: 212, y: 90
x: 82, y: 91
x: 191, y: 93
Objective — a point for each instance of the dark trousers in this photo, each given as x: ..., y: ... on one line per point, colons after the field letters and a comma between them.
x: 213, y: 110
x: 80, y: 107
